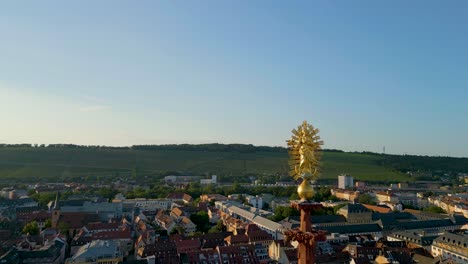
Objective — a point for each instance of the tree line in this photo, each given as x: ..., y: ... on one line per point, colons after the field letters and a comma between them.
x: 211, y: 147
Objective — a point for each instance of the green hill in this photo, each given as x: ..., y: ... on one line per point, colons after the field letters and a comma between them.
x: 69, y: 161
x: 53, y: 163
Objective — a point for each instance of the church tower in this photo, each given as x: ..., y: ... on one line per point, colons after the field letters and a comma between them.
x: 56, y: 211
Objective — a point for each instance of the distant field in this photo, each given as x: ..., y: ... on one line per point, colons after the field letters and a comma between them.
x: 53, y: 163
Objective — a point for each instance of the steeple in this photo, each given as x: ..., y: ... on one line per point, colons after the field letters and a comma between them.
x: 56, y: 203
x: 56, y: 212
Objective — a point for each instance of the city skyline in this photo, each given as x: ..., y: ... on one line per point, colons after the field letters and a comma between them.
x: 368, y: 76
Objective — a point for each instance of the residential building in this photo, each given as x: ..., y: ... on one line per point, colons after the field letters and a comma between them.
x: 282, y: 252
x: 393, y: 206
x: 335, y: 238
x: 187, y: 245
x: 372, y: 229
x: 242, y: 254
x: 356, y: 213
x: 73, y: 221
x: 348, y: 195
x: 213, y: 180
x: 105, y: 211
x: 164, y: 250
x: 212, y: 197
x: 98, y: 252
x: 279, y: 202
x: 101, y: 227
x: 180, y: 197
x: 51, y: 252
x: 210, y: 256
x: 213, y: 215
x: 187, y: 225
x: 257, y: 217
x: 360, y: 185
x: 29, y: 214
x: 345, y: 181
x: 253, y: 236
x: 378, y: 208
x: 452, y: 246
x: 172, y: 179
x: 176, y: 213
x: 146, y: 204
x: 406, y: 221
x: 386, y: 197
x: 411, y: 198
x: 255, y: 201
x: 402, y: 185
x: 422, y: 238
x: 106, y: 231
x: 165, y: 221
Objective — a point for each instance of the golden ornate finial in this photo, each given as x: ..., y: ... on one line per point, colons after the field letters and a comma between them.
x: 303, y: 148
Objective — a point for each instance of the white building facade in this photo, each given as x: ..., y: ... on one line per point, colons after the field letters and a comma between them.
x: 345, y: 181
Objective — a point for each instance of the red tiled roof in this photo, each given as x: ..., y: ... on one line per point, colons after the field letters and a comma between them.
x: 175, y: 195
x: 39, y: 216
x: 252, y: 228
x: 187, y: 245
x: 204, y: 256
x: 255, y: 234
x: 186, y: 220
x: 187, y: 197
x: 237, y: 239
x: 379, y: 209
x: 180, y: 196
x: 112, y: 235
x: 385, y: 194
x: 259, y: 235
x: 161, y: 249
x: 238, y: 254
x: 177, y: 212
x: 77, y: 220
x: 215, y: 196
x: 102, y: 226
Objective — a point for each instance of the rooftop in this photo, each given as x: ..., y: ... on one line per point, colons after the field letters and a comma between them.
x: 97, y: 249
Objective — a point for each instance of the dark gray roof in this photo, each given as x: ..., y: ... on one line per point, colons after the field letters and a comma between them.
x: 289, y: 223
x: 322, y: 219
x: 16, y: 202
x: 414, y: 237
x: 317, y: 219
x: 459, y: 219
x: 393, y: 216
x: 11, y: 257
x: 292, y: 222
x: 426, y: 224
x: 72, y: 203
x: 401, y: 221
x: 399, y: 256
x: 351, y: 229
x: 30, y: 209
x: 52, y: 252
x: 355, y: 208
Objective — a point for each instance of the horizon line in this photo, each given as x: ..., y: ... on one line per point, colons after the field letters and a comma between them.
x: 34, y: 145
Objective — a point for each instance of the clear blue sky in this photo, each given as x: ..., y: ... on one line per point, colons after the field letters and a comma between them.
x: 368, y: 74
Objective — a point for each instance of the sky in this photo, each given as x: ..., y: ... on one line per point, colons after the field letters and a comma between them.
x: 368, y: 74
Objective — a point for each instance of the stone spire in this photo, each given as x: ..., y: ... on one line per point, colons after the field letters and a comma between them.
x: 56, y: 203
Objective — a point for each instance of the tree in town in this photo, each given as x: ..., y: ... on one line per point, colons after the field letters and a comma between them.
x: 366, y: 199
x: 201, y: 220
x: 31, y: 228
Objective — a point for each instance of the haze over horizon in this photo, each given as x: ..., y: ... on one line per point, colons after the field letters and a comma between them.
x: 118, y: 73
